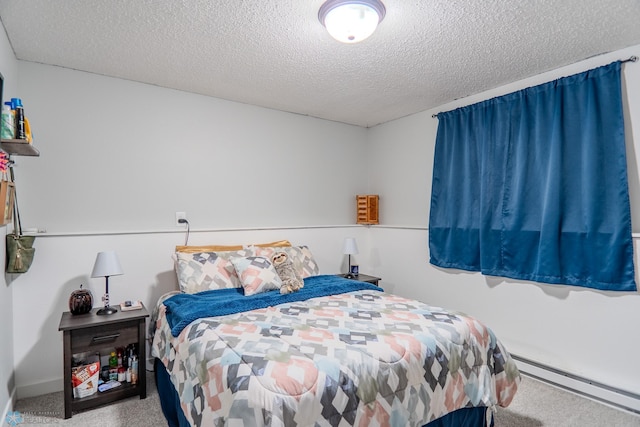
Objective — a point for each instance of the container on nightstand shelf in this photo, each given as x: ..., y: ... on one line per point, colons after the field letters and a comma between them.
x: 85, y: 380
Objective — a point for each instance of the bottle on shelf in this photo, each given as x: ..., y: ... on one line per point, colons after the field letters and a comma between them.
x: 134, y: 370
x: 8, y: 127
x: 21, y: 132
x: 113, y: 360
x: 104, y: 374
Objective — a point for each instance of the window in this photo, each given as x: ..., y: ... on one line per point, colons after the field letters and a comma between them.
x: 533, y: 185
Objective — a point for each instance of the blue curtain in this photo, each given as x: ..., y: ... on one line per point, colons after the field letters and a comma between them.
x: 533, y: 185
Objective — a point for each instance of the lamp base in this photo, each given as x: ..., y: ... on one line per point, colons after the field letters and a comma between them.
x: 107, y: 310
x: 349, y: 276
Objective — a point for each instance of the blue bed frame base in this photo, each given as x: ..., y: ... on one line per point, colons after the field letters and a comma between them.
x: 170, y: 403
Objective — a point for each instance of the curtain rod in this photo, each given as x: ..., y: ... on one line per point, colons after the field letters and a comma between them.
x: 622, y: 61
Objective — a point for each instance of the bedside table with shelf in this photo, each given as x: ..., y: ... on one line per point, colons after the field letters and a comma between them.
x: 364, y: 278
x: 93, y: 333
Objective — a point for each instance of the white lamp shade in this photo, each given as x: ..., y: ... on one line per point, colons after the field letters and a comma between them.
x: 351, y: 21
x: 350, y: 246
x: 107, y: 264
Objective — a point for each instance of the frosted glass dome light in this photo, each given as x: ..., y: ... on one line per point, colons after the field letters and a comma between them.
x: 351, y: 21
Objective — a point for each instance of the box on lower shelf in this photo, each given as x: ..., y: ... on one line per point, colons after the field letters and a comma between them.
x: 85, y: 380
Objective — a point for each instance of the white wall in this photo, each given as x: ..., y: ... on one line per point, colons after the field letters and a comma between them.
x: 585, y: 332
x: 119, y: 158
x: 119, y: 155
x: 9, y: 70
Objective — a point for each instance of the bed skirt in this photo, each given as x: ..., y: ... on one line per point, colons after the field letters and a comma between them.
x: 170, y: 403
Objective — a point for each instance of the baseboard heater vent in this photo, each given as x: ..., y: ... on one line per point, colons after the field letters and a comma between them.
x: 604, y: 393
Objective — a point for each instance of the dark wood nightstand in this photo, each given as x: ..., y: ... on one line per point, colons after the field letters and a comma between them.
x: 92, y: 333
x: 364, y: 278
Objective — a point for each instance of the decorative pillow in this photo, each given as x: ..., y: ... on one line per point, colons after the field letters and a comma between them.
x: 226, y: 248
x: 303, y: 261
x: 256, y: 274
x: 204, y: 271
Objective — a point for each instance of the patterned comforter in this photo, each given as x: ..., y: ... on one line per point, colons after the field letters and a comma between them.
x: 362, y: 358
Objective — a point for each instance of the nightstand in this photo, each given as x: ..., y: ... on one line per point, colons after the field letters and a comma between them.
x: 92, y: 333
x: 364, y: 278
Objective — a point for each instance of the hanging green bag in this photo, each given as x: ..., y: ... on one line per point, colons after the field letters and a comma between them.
x: 20, y: 250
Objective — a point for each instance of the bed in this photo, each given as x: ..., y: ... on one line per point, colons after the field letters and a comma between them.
x: 336, y: 353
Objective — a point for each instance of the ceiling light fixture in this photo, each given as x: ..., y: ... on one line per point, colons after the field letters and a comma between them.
x: 351, y: 21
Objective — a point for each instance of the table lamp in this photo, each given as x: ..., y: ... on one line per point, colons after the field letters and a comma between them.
x: 350, y: 248
x: 106, y: 265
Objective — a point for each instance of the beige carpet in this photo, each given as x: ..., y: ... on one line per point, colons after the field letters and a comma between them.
x: 539, y: 404
x: 131, y: 412
x: 536, y: 404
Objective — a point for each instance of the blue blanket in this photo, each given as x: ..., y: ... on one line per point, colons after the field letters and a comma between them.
x: 183, y: 309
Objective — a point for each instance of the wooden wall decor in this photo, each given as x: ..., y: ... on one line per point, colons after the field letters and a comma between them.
x: 7, y: 199
x: 367, y: 209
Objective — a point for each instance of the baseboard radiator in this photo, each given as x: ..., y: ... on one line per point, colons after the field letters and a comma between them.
x: 604, y: 393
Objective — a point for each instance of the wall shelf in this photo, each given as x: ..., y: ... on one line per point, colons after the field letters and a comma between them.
x: 18, y: 147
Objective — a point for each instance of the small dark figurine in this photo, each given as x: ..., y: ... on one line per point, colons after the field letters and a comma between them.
x: 291, y: 281
x: 80, y: 301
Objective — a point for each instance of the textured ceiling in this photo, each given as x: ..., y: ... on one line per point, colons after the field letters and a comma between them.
x: 276, y: 54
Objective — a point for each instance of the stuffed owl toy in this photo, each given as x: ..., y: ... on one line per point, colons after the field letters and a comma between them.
x: 291, y: 280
